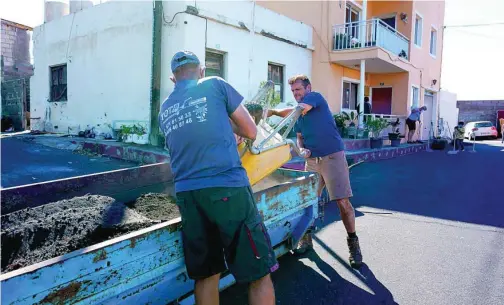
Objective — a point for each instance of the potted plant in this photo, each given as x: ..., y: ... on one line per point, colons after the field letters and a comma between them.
x: 395, y: 136
x: 375, y: 126
x: 340, y: 119
x: 439, y: 143
x: 351, y: 119
x: 132, y: 134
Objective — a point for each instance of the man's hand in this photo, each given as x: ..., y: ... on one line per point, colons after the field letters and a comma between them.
x: 243, y: 124
x: 306, y: 153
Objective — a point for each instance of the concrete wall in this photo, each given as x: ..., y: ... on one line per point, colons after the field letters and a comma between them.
x: 470, y: 111
x: 246, y: 55
x: 108, y: 56
x: 448, y: 110
x: 107, y: 50
x: 15, y: 51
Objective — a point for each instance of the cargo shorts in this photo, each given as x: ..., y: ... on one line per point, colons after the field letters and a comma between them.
x: 335, y: 174
x: 223, y: 230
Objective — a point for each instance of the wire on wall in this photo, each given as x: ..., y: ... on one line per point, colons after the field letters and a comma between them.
x: 192, y: 13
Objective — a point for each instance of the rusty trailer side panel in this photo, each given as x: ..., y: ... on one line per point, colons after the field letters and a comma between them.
x: 147, y: 266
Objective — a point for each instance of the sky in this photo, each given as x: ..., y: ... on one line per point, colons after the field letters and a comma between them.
x: 473, y: 57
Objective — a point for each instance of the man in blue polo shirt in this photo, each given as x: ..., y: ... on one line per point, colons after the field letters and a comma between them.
x: 220, y: 221
x: 318, y: 135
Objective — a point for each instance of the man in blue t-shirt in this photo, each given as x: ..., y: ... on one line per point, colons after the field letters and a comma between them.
x: 220, y: 221
x: 318, y: 136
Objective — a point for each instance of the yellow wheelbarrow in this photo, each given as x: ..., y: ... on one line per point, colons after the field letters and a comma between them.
x: 270, y: 150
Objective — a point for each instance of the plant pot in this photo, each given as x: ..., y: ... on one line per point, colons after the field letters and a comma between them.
x: 351, y: 131
x: 395, y: 142
x: 376, y: 143
x: 133, y: 138
x: 340, y: 130
x: 393, y: 136
x: 439, y: 144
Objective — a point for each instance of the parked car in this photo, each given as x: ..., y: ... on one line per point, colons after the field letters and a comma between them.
x: 480, y: 129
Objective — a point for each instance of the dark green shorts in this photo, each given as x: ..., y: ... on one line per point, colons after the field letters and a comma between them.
x: 221, y: 229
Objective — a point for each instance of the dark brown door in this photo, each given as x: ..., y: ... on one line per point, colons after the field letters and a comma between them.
x: 381, y: 102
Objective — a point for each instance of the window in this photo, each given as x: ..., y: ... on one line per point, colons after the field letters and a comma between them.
x: 58, y: 83
x: 276, y: 75
x: 352, y: 17
x: 214, y: 63
x: 433, y: 41
x: 484, y: 124
x: 418, y: 30
x: 415, y: 94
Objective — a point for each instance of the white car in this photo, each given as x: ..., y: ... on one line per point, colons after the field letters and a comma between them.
x: 480, y: 129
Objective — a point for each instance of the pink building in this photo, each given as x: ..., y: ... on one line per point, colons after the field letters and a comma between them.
x: 389, y: 51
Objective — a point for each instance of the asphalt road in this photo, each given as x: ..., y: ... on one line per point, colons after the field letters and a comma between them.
x: 26, y: 162
x: 431, y: 227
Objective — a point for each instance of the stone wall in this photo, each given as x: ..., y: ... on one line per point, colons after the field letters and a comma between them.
x: 470, y: 111
x: 15, y: 52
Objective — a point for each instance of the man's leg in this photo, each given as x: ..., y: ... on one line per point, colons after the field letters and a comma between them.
x: 337, y: 178
x: 261, y: 292
x: 347, y: 214
x: 206, y: 291
x: 203, y: 250
x: 247, y: 246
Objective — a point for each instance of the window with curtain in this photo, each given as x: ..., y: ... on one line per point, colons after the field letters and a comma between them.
x: 276, y: 75
x: 214, y: 63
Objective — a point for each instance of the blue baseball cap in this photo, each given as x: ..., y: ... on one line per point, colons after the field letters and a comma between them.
x: 182, y: 58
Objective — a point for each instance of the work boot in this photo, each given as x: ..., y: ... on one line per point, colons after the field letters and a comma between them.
x: 355, y: 252
x: 304, y: 244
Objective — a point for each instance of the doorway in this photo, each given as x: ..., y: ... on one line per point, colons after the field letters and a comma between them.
x: 381, y: 100
x: 428, y: 127
x: 390, y: 21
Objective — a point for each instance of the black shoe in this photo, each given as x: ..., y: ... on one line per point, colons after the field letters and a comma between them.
x: 355, y: 252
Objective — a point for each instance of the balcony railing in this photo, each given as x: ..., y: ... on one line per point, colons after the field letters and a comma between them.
x: 378, y: 34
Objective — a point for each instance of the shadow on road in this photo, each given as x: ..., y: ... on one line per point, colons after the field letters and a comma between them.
x: 308, y: 279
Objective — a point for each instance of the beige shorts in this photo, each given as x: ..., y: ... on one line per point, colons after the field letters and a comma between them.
x: 334, y: 171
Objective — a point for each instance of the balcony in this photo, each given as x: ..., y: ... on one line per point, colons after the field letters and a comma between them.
x: 378, y: 34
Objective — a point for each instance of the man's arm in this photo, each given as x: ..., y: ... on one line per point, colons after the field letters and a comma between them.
x: 286, y: 111
x: 243, y: 124
x: 300, y: 142
x: 241, y: 121
x: 280, y: 112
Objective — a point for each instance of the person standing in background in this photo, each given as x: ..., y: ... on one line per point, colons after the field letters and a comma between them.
x: 411, y: 121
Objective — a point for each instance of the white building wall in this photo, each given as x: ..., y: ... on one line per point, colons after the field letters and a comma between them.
x: 448, y: 111
x: 107, y: 49
x: 246, y: 56
x: 109, y: 56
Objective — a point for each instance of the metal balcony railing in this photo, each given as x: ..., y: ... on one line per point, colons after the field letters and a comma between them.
x: 378, y: 34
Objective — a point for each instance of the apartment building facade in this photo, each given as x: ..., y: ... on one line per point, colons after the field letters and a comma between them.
x: 389, y: 51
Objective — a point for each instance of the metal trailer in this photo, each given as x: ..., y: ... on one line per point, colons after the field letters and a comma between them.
x: 147, y: 266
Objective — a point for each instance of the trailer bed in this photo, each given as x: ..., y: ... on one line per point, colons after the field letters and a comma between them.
x: 147, y: 266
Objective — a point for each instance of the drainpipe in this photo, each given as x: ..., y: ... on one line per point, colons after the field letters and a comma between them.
x: 157, y: 26
x: 251, y: 51
x: 363, y: 62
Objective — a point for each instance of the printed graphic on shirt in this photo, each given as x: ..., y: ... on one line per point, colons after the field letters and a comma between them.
x: 181, y: 114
